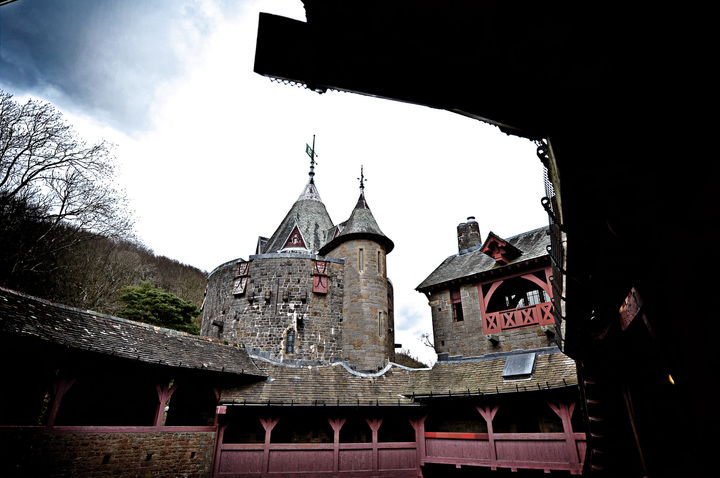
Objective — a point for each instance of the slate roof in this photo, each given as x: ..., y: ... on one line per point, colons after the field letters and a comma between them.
x: 311, y: 217
x: 334, y: 384
x: 533, y: 244
x: 27, y: 316
x: 484, y: 375
x: 329, y: 384
x: 361, y: 224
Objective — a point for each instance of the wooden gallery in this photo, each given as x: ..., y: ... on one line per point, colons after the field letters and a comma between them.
x: 313, y: 390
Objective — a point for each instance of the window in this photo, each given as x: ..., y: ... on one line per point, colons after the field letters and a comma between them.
x: 380, y: 264
x: 361, y: 260
x: 290, y: 343
x: 456, y: 305
x: 380, y: 324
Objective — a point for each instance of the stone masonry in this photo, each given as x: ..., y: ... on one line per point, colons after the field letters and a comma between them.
x: 466, y: 338
x: 314, y: 291
x: 368, y: 339
x: 278, y: 298
x: 27, y: 453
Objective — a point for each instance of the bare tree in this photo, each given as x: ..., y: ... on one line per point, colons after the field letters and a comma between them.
x: 53, y: 188
x: 427, y: 341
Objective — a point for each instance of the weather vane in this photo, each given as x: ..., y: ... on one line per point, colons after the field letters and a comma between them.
x: 311, y: 152
x: 362, y: 178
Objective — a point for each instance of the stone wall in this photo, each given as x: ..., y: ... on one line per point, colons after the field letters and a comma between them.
x: 27, y: 452
x: 466, y: 338
x: 278, y: 298
x: 367, y: 342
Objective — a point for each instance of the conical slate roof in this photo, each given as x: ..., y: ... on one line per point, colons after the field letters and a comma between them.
x: 312, y: 220
x: 361, y: 224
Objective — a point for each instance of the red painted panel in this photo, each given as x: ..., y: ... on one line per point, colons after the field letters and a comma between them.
x: 355, y: 460
x: 397, y: 459
x: 245, y: 461
x: 527, y: 316
x: 531, y: 451
x: 479, y: 450
x: 295, y: 239
x: 321, y: 267
x: 239, y: 285
x: 320, y: 284
x: 545, y: 311
x: 507, y: 319
x: 457, y: 436
x: 491, y: 324
x: 300, y: 460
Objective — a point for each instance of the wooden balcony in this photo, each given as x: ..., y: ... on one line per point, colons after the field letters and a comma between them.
x: 538, y: 451
x: 539, y: 314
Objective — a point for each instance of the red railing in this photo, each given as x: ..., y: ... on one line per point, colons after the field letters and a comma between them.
x: 538, y: 451
x: 318, y: 459
x: 539, y: 314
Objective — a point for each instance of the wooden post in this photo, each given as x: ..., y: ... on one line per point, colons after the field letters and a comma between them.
x: 218, y: 449
x: 631, y: 415
x: 60, y: 386
x: 336, y: 426
x: 374, y: 426
x: 268, y: 425
x: 488, y: 414
x: 565, y: 413
x: 164, y: 394
x: 419, y: 426
x: 218, y: 393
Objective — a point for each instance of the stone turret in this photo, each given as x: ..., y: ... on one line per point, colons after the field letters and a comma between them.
x: 313, y: 291
x: 368, y: 318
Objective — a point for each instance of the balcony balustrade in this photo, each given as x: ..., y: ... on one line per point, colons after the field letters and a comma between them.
x: 538, y: 314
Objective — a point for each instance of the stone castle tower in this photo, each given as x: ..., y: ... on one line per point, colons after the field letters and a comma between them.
x: 313, y: 291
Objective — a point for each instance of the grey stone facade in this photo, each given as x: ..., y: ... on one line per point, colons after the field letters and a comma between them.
x: 471, y: 269
x: 281, y: 315
x: 278, y: 298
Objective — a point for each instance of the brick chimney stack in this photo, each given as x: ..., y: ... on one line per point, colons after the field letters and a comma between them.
x: 468, y: 234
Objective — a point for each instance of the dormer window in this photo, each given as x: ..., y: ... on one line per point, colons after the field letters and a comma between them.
x: 499, y: 249
x: 295, y: 240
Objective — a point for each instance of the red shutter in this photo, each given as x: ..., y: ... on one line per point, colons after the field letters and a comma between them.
x: 320, y: 278
x: 320, y: 284
x: 239, y: 285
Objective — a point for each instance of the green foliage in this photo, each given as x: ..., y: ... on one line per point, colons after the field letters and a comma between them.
x: 145, y: 303
x: 406, y: 358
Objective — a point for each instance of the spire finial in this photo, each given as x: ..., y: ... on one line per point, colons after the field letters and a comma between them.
x: 311, y: 152
x: 362, y: 179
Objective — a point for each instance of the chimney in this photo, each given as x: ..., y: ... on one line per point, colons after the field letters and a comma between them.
x: 468, y: 234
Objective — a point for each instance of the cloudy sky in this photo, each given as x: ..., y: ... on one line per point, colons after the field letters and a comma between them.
x: 212, y: 155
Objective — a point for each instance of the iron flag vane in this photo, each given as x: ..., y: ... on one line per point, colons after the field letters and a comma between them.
x: 311, y: 152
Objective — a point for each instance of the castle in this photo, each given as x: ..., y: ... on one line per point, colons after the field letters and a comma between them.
x: 293, y: 375
x: 313, y: 291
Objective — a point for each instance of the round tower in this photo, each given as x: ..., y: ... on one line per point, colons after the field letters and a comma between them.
x: 284, y: 302
x: 368, y: 319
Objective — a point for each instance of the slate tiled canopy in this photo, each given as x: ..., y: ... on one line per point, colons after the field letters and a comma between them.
x: 31, y: 317
x: 532, y: 245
